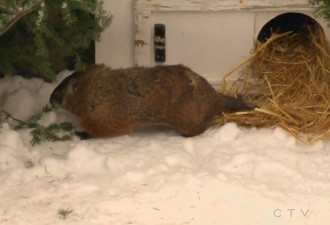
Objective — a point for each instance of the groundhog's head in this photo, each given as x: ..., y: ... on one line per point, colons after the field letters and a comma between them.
x: 63, y: 95
x: 73, y: 92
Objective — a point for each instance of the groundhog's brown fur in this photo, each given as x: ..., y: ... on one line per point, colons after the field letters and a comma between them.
x: 114, y: 102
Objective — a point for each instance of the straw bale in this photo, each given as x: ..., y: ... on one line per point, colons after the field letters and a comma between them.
x: 288, y: 77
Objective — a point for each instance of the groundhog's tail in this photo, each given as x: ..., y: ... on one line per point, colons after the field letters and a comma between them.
x: 231, y: 104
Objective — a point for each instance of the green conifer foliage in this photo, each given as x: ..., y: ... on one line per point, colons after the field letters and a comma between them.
x: 31, y: 31
x: 322, y: 9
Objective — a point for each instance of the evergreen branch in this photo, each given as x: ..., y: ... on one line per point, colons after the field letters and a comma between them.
x: 64, y: 212
x: 15, y: 119
x: 41, y: 49
x: 322, y: 9
x: 7, y: 9
x: 38, y: 38
x: 15, y: 3
x: 20, y: 15
x: 32, y: 122
x: 28, y: 164
x: 54, y: 132
x: 79, y: 65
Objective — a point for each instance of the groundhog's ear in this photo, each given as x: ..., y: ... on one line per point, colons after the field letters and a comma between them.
x: 74, y: 85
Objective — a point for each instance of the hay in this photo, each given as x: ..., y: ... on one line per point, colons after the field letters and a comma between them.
x: 288, y: 77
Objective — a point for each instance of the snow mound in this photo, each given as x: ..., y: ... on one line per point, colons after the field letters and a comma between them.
x: 227, y: 175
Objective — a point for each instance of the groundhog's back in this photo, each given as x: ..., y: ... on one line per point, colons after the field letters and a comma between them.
x: 112, y: 102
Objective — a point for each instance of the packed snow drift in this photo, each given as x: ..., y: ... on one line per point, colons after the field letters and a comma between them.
x: 228, y: 175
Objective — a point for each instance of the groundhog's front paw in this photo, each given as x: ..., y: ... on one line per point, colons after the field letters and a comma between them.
x: 82, y: 135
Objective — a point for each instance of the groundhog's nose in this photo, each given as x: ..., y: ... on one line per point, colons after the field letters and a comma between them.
x: 55, y: 98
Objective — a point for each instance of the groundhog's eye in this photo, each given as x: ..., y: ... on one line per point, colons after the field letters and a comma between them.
x: 57, y: 95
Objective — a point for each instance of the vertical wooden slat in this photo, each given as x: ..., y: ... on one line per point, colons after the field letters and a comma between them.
x: 142, y: 38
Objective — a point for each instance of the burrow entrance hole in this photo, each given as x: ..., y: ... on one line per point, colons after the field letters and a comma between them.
x: 295, y: 22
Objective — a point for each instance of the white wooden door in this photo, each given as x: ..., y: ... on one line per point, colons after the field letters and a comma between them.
x: 209, y: 36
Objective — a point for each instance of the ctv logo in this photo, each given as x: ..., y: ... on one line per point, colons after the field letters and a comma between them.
x: 291, y: 213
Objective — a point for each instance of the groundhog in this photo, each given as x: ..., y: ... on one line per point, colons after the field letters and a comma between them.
x: 112, y: 102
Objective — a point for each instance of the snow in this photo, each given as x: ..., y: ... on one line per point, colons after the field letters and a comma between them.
x: 227, y: 175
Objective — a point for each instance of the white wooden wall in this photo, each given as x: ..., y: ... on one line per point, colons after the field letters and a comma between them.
x: 210, y: 36
x: 116, y: 47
